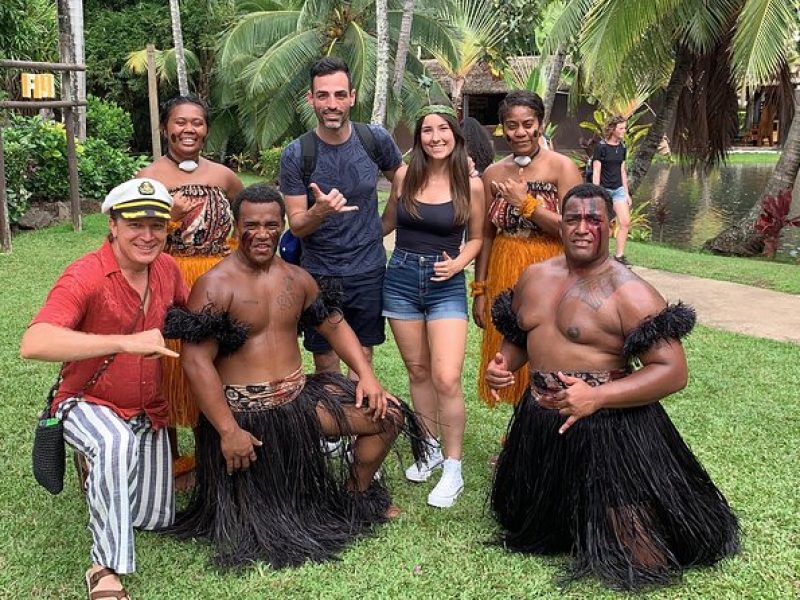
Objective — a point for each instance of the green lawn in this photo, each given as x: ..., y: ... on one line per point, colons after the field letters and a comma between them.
x: 739, y: 413
x: 783, y: 277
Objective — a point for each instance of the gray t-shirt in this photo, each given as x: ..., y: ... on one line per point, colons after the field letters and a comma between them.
x: 349, y: 243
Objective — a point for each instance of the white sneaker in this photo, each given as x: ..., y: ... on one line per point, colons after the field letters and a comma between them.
x: 423, y: 470
x: 451, y: 484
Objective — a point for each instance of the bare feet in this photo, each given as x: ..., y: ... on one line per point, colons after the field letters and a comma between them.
x: 393, y: 512
x: 103, y: 583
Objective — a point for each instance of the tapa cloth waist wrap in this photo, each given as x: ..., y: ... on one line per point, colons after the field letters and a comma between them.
x: 543, y: 382
x: 265, y: 396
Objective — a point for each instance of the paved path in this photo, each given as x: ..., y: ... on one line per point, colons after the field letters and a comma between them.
x: 732, y: 306
x: 724, y: 305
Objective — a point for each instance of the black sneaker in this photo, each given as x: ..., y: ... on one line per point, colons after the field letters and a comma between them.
x: 622, y: 260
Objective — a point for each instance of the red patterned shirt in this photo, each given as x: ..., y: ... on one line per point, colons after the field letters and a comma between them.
x: 93, y: 296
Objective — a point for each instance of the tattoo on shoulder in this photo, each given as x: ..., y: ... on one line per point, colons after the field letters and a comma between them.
x: 594, y: 291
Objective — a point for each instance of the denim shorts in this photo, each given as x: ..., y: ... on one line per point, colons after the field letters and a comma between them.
x: 410, y: 295
x: 617, y: 194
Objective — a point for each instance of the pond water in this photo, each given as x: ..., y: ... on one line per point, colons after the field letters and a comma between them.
x: 697, y: 206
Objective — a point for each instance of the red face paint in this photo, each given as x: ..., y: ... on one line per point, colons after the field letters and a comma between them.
x: 584, y: 230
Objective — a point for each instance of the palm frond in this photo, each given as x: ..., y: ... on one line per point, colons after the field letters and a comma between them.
x: 705, y: 23
x: 567, y: 26
x: 251, y: 36
x: 315, y: 12
x: 764, y: 31
x: 266, y: 74
x: 436, y: 36
x: 613, y: 29
x: 359, y: 51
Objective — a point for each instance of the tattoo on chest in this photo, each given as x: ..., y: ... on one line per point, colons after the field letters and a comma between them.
x: 595, y: 290
x: 573, y: 333
x: 285, y: 296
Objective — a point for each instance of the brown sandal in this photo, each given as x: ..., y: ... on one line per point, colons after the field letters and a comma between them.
x: 92, y: 581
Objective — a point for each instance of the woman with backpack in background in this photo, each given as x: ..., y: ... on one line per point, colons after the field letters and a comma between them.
x: 608, y: 171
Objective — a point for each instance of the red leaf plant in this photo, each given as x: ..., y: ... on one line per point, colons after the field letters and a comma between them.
x: 773, y: 218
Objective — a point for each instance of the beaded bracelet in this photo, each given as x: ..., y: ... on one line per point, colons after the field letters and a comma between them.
x: 529, y: 206
x: 478, y: 288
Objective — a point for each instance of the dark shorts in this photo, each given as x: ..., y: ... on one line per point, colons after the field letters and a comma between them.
x: 362, y: 306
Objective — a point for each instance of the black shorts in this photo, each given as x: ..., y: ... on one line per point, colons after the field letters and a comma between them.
x: 362, y: 306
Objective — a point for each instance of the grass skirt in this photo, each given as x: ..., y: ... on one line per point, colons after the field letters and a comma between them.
x: 183, y: 411
x: 292, y: 505
x: 620, y: 491
x: 509, y: 257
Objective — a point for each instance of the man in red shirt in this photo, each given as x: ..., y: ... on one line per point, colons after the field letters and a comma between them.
x: 102, y: 319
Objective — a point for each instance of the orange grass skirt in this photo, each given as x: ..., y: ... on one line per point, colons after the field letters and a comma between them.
x: 509, y: 257
x: 183, y: 411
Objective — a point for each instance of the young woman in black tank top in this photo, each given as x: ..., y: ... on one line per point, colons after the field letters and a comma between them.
x: 432, y: 204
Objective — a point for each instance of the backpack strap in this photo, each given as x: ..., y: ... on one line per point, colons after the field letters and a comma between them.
x: 367, y: 139
x: 308, y: 156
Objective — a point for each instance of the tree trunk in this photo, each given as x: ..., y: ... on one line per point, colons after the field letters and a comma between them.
x: 177, y: 38
x: 382, y: 66
x: 403, y: 42
x: 741, y: 238
x: 554, y: 76
x: 78, y: 78
x: 649, y: 146
x: 456, y: 93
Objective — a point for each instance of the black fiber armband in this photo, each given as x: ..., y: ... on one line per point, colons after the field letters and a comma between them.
x: 505, y: 320
x: 327, y: 303
x: 673, y: 323
x: 209, y: 323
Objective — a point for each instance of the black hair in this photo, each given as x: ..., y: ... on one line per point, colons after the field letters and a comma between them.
x: 166, y: 107
x: 258, y: 193
x: 328, y: 66
x: 521, y: 98
x: 479, y: 143
x: 590, y: 190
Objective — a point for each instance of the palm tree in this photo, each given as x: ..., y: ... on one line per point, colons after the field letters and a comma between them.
x: 264, y: 58
x: 403, y: 44
x: 696, y: 51
x: 177, y: 37
x: 480, y: 29
x: 382, y: 67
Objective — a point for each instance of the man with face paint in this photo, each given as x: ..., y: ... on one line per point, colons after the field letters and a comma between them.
x: 592, y: 464
x: 265, y: 489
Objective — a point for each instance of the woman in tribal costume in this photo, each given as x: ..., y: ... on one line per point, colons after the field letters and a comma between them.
x: 522, y: 193
x: 199, y: 231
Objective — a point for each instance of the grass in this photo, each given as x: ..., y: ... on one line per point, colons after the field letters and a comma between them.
x: 739, y: 414
x: 763, y: 273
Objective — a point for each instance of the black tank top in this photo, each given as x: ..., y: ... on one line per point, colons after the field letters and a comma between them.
x: 433, y: 233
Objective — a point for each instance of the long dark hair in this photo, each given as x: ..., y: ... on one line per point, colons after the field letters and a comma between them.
x: 417, y: 175
x: 479, y: 143
x: 611, y: 125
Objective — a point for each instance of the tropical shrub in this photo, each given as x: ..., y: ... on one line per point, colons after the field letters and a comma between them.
x: 36, y: 164
x: 108, y: 121
x: 269, y: 163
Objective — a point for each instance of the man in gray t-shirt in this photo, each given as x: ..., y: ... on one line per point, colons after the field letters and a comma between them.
x: 336, y: 216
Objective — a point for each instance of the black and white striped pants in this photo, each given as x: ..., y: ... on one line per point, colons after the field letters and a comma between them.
x: 130, y: 480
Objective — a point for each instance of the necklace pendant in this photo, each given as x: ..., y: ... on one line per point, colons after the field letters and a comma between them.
x: 188, y: 166
x: 522, y: 160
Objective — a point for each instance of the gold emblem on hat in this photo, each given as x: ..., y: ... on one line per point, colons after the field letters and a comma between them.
x: 146, y: 188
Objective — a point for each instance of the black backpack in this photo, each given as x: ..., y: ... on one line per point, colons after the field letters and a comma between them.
x: 291, y: 249
x: 588, y: 172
